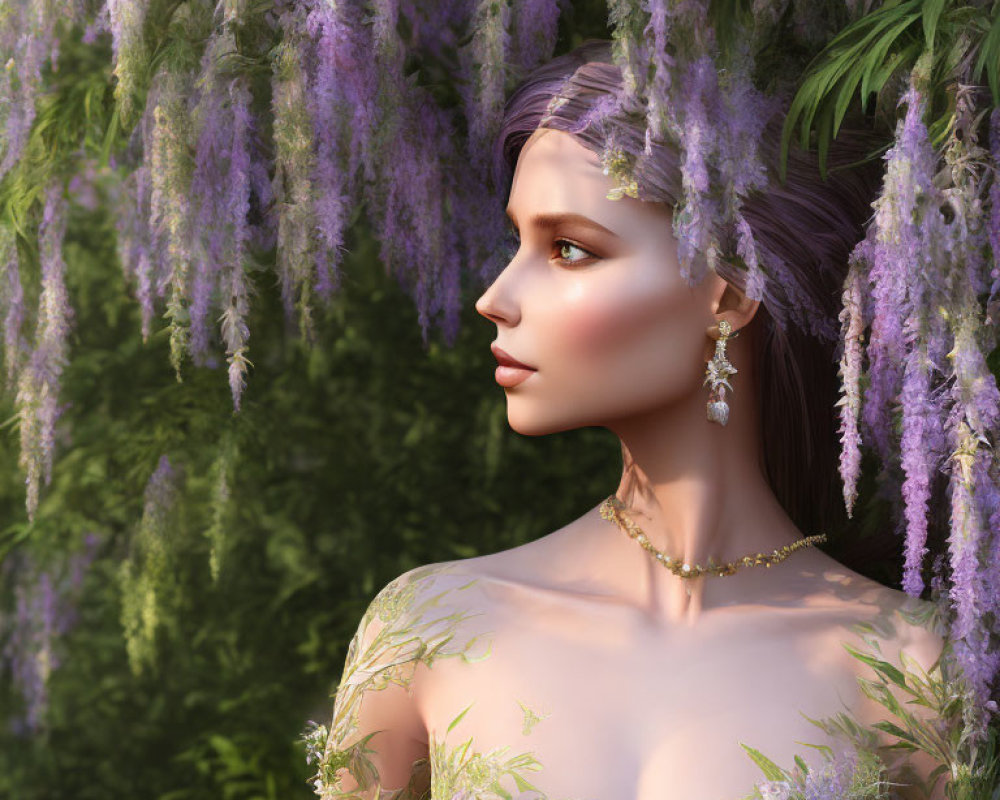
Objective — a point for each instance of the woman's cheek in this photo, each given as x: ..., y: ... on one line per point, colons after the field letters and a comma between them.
x: 608, y: 321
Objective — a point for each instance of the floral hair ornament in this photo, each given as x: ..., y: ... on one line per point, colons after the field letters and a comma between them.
x: 557, y: 102
x: 618, y: 165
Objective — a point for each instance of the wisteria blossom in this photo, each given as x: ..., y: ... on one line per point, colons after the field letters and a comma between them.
x: 45, y: 610
x: 147, y: 578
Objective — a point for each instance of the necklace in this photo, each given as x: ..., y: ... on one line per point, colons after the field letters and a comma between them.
x: 612, y: 510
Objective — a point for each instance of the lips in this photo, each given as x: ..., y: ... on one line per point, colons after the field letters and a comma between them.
x: 506, y: 360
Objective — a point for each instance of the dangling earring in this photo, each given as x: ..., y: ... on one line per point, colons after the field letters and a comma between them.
x: 717, y: 372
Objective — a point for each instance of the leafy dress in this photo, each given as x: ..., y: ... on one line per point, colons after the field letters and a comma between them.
x: 435, y: 623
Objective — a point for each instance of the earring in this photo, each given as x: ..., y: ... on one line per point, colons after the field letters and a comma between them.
x: 717, y: 373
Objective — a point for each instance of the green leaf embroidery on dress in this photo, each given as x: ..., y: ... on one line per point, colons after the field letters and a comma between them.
x: 971, y: 768
x: 398, y: 631
x: 530, y: 718
x: 458, y: 774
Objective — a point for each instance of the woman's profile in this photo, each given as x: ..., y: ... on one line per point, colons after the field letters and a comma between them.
x: 610, y: 659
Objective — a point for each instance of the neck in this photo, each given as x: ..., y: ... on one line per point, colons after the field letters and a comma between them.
x: 697, y: 490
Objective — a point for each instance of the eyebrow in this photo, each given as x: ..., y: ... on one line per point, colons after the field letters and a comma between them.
x: 549, y: 221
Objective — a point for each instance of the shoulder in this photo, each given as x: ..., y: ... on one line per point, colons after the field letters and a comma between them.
x: 425, y: 613
x: 866, y: 614
x: 419, y: 616
x: 892, y: 622
x: 898, y: 644
x: 415, y: 596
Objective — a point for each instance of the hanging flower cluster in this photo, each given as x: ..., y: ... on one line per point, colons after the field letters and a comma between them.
x: 923, y: 269
x: 219, y: 170
x: 147, y: 577
x: 44, y: 610
x: 38, y: 376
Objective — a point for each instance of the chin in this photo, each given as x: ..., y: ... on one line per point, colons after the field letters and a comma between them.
x: 535, y: 424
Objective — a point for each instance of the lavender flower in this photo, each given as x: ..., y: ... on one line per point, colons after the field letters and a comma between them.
x: 971, y: 641
x: 535, y: 26
x: 11, y: 305
x: 920, y: 414
x: 329, y: 109
x: 101, y: 23
x: 692, y: 225
x: 994, y: 220
x: 38, y: 385
x: 146, y: 576
x: 170, y: 168
x: 28, y: 39
x: 235, y: 287
x: 909, y: 172
x: 488, y: 51
x: 127, y: 18
x: 45, y: 610
x: 294, y: 167
x: 852, y: 322
x: 659, y: 113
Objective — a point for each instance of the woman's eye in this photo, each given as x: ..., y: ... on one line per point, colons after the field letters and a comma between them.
x: 565, y: 245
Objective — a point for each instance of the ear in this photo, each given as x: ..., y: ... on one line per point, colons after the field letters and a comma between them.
x: 729, y: 303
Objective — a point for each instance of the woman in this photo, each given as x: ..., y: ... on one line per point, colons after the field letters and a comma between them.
x: 607, y: 660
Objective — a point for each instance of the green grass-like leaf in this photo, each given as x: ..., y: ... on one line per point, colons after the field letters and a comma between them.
x: 847, y: 55
x: 771, y: 770
x: 882, y: 667
x: 989, y: 56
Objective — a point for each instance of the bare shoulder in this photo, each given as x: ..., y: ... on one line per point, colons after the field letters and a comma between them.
x: 886, y: 618
x: 419, y: 593
x: 898, y: 621
x: 910, y: 634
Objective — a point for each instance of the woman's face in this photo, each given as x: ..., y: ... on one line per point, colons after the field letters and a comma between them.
x: 595, y: 303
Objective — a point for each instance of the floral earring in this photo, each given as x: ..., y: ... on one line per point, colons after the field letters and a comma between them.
x: 717, y: 373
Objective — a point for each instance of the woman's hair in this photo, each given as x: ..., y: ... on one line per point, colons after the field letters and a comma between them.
x: 804, y: 230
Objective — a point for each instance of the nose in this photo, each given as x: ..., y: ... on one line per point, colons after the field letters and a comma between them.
x: 497, y: 302
x: 484, y: 305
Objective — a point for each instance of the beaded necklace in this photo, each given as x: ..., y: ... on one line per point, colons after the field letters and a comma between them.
x: 612, y: 509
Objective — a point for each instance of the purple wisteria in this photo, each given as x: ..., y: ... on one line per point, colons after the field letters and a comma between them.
x: 852, y: 321
x: 147, y: 576
x: 44, y: 610
x: 11, y: 306
x: 125, y: 20
x: 38, y: 380
x: 931, y: 401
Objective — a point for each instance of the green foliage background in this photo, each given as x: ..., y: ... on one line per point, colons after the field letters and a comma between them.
x: 351, y: 462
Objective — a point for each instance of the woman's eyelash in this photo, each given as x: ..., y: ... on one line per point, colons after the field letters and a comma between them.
x: 571, y: 244
x: 561, y: 242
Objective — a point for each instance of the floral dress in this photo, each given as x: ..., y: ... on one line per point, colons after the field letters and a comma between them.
x: 427, y: 623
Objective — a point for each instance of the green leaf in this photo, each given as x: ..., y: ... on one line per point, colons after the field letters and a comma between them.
x: 771, y: 770
x: 989, y: 56
x: 523, y: 784
x: 895, y: 730
x: 875, y: 82
x: 931, y: 13
x: 884, y: 668
x: 458, y: 719
x: 843, y: 54
x: 824, y: 134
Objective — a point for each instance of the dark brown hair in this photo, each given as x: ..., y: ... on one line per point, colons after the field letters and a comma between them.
x: 805, y: 229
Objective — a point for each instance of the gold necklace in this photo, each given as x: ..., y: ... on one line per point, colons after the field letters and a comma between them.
x: 612, y: 510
